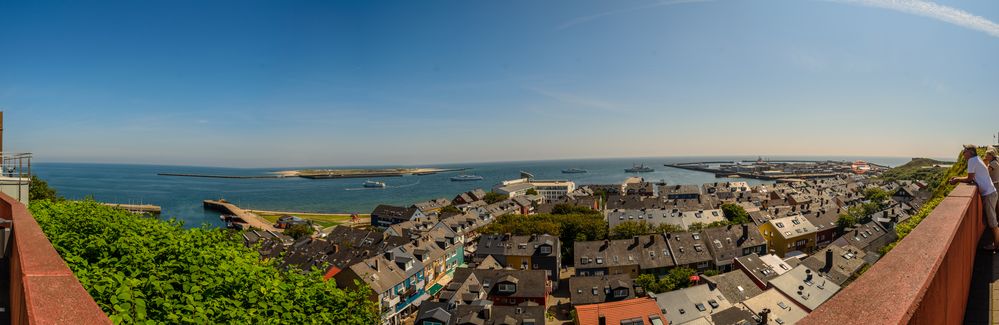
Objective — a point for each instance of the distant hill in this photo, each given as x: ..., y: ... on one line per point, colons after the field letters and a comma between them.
x: 919, y: 169
x: 924, y: 162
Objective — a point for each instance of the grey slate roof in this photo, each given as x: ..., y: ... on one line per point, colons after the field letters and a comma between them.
x: 530, y: 283
x: 647, y: 251
x: 836, y: 263
x: 601, y: 288
x: 805, y: 286
x: 735, y: 285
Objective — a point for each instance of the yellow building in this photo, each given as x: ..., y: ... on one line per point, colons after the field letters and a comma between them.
x: 789, y: 234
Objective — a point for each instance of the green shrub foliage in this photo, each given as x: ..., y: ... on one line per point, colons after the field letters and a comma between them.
x: 143, y: 270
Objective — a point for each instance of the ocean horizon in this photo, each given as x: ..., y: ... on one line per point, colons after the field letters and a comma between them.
x: 181, y: 197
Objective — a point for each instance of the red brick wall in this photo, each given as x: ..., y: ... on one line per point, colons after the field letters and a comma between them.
x: 924, y: 280
x: 43, y: 290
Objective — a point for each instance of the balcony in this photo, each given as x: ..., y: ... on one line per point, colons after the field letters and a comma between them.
x: 42, y: 288
x: 927, y: 278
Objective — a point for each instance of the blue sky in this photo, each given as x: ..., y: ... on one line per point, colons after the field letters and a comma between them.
x: 292, y: 83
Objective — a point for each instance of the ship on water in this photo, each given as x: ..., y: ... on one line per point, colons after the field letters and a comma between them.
x: 466, y: 178
x: 374, y: 184
x: 573, y: 171
x: 639, y: 169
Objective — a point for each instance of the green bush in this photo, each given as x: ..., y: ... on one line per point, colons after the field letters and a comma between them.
x: 40, y: 190
x: 735, y: 213
x: 677, y: 278
x: 568, y: 227
x: 493, y: 197
x: 142, y: 270
x: 629, y: 229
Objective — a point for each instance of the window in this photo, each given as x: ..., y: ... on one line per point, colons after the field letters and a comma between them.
x: 507, y: 287
x: 600, y: 260
x: 546, y: 249
x: 700, y: 306
x: 780, y: 225
x: 633, y: 321
x: 430, y: 322
x: 582, y: 260
x: 620, y: 293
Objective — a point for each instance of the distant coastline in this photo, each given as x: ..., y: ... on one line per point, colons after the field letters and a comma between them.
x: 329, y: 173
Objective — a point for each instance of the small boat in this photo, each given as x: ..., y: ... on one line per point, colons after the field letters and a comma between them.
x: 639, y: 169
x: 573, y: 171
x: 374, y: 184
x: 466, y: 178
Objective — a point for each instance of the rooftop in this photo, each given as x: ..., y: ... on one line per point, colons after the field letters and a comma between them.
x: 805, y: 286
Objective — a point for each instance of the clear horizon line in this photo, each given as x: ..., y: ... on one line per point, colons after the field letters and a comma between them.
x: 467, y: 162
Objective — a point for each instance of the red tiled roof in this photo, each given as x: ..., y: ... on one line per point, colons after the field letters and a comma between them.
x: 331, y: 273
x: 615, y: 312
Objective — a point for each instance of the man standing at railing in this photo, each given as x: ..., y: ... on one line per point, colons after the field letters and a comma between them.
x: 979, y: 175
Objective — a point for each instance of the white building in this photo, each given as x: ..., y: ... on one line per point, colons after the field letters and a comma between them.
x: 550, y: 190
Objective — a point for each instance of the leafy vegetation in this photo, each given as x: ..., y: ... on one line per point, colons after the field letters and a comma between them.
x: 143, y: 270
x: 919, y: 169
x: 563, y: 208
x: 450, y: 209
x: 531, y: 192
x: 493, y: 197
x: 299, y: 231
x: 568, y: 227
x: 697, y: 226
x: 40, y: 190
x: 735, y: 213
x: 629, y: 229
x: 677, y: 278
x: 877, y: 200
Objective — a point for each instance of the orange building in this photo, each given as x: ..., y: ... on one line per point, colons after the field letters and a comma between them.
x: 632, y: 311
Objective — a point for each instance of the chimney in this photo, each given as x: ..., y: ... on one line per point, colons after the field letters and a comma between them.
x: 606, y: 244
x: 808, y: 275
x: 636, y: 240
x: 829, y: 260
x: 745, y: 231
x: 375, y: 266
x: 487, y: 311
x: 764, y: 316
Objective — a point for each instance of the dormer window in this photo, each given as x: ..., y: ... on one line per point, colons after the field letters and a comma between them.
x: 620, y: 293
x: 507, y: 287
x: 546, y: 249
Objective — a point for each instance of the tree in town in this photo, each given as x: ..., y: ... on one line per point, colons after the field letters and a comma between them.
x: 39, y: 190
x: 299, y: 230
x: 493, y: 197
x: 735, y: 213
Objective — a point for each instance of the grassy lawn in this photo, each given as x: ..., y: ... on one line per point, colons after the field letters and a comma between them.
x: 325, y: 220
